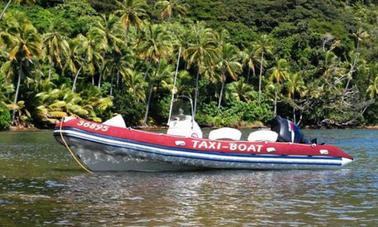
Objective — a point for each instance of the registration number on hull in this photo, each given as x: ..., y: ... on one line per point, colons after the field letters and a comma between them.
x: 94, y: 126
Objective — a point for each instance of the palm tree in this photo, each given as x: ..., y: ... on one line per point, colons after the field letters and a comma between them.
x: 294, y: 85
x: 108, y: 32
x: 171, y: 7
x: 56, y: 49
x: 107, y: 38
x: 239, y: 91
x: 278, y: 73
x: 17, y: 1
x: 132, y: 12
x: 162, y: 78
x: 263, y: 46
x: 60, y: 102
x: 155, y: 44
x: 5, y: 88
x: 73, y: 64
x: 202, y: 52
x: 135, y: 83
x: 229, y: 66
x: 250, y: 60
x: 87, y: 56
x: 373, y: 88
x: 24, y: 45
x: 118, y: 63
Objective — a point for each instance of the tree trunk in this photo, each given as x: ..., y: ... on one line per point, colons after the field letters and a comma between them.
x: 148, y: 105
x: 5, y: 8
x: 221, y: 91
x: 248, y: 74
x: 275, y: 101
x: 111, y: 83
x: 16, y: 95
x: 102, y: 69
x: 50, y: 68
x: 146, y: 72
x: 99, y: 81
x: 196, y: 94
x: 260, y: 75
x: 150, y: 94
x: 117, y: 80
x: 75, y: 80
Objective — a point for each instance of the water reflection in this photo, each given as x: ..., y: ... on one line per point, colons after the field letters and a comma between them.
x: 217, y: 198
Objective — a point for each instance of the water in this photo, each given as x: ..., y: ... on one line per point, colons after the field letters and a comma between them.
x: 41, y: 186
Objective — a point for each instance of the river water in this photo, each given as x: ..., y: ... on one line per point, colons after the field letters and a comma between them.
x: 41, y: 186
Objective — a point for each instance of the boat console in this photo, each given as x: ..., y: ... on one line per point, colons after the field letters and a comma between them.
x: 184, y: 125
x: 287, y: 131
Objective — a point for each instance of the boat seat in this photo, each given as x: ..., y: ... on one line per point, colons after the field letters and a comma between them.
x: 225, y: 133
x: 263, y: 135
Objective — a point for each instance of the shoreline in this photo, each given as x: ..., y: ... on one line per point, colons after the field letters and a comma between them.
x: 165, y: 127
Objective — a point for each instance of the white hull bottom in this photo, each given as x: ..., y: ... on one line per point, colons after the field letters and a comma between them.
x: 100, y: 154
x: 99, y: 157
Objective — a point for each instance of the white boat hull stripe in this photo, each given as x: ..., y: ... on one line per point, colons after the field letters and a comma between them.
x: 206, y: 156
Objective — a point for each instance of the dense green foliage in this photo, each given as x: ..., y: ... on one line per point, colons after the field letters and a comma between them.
x: 5, y: 117
x: 241, y: 61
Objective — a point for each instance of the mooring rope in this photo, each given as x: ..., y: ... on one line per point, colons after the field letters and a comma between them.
x: 69, y: 149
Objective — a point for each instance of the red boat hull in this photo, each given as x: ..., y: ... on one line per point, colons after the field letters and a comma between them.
x: 142, y: 144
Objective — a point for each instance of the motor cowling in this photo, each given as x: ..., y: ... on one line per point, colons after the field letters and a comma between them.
x: 287, y: 130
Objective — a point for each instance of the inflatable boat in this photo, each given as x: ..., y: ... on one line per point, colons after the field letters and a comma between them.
x: 111, y: 146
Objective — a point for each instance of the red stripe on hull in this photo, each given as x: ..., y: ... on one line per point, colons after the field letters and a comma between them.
x: 206, y: 145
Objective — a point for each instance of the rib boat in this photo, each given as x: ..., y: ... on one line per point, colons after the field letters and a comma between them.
x: 111, y: 146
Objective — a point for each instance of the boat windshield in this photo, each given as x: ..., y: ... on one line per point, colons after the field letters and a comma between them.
x: 181, y: 109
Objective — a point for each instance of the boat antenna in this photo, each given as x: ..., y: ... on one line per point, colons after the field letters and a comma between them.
x: 174, y: 86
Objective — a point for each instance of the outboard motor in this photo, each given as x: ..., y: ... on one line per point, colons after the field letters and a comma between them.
x: 287, y: 131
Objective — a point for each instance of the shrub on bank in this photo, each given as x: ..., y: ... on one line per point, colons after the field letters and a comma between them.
x: 5, y: 117
x: 238, y: 114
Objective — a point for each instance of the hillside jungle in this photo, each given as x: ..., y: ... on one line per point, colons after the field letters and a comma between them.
x: 242, y: 61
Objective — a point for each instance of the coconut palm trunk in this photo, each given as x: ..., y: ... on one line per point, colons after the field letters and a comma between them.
x: 196, y: 91
x: 20, y: 73
x: 148, y: 69
x: 99, y: 81
x: 148, y: 104
x: 75, y: 80
x: 101, y: 73
x: 260, y: 74
x: 221, y: 91
x: 275, y: 101
x: 5, y: 8
x: 111, y: 83
x: 151, y: 87
x: 50, y: 69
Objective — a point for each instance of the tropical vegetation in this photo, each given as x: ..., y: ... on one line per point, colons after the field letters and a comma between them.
x: 241, y: 61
